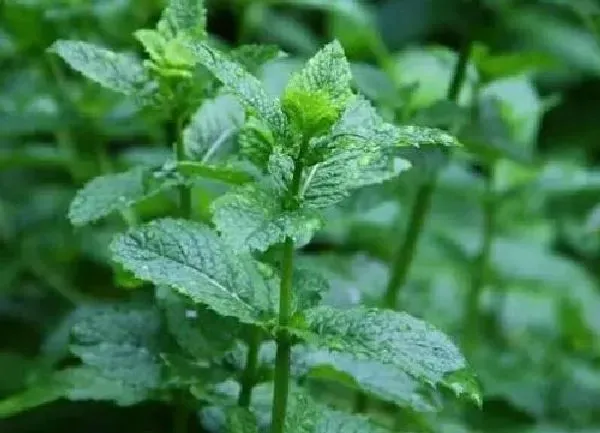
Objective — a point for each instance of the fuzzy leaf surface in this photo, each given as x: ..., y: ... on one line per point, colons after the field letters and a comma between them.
x: 116, y: 71
x: 388, y: 337
x: 109, y: 193
x: 356, y: 153
x: 193, y: 260
x: 250, y: 220
x: 316, y: 95
x: 244, y: 85
x: 327, y: 71
x: 304, y: 415
x: 185, y: 17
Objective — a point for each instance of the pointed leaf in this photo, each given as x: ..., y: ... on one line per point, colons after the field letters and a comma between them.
x: 199, y: 331
x: 191, y: 258
x: 327, y: 71
x: 244, y: 85
x: 116, y: 71
x: 185, y: 17
x: 388, y: 337
x: 213, y: 127
x: 317, y: 94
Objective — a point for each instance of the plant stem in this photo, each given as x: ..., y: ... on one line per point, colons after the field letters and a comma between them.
x: 282, y: 357
x: 249, y: 375
x: 404, y: 255
x: 480, y: 264
x: 185, y: 196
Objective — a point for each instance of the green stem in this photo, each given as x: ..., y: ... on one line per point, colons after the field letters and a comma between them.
x: 480, y: 265
x: 248, y: 379
x: 284, y: 346
x: 404, y: 255
x: 185, y: 196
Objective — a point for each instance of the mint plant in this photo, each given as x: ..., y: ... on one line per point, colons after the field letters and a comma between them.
x: 199, y: 235
x: 298, y: 154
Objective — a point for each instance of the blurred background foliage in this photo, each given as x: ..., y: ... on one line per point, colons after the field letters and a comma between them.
x: 508, y: 261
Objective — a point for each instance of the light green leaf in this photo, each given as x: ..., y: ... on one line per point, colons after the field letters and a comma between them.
x: 244, y: 85
x: 213, y: 127
x: 121, y: 342
x: 382, y: 381
x: 116, y: 71
x: 117, y: 192
x: 249, y: 219
x: 356, y: 153
x: 193, y: 260
x: 184, y: 17
x: 316, y: 95
x: 241, y: 420
x: 76, y: 383
x: 388, y: 337
x: 281, y: 171
x: 327, y: 71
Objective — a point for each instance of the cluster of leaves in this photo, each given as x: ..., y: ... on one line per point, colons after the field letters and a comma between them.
x: 260, y: 243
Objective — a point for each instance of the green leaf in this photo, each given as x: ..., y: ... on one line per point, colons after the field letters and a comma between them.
x: 309, y: 286
x: 241, y: 420
x: 316, y: 95
x: 193, y: 260
x: 430, y: 69
x: 385, y: 382
x: 327, y: 71
x: 388, y: 337
x: 304, y: 415
x: 249, y: 219
x: 76, y: 383
x: 117, y: 192
x: 198, y: 331
x: 184, y: 17
x: 116, y: 71
x: 256, y: 142
x: 254, y: 56
x: 213, y: 127
x: 356, y: 153
x: 244, y: 85
x: 224, y: 173
x: 121, y: 342
x: 409, y: 135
